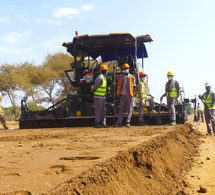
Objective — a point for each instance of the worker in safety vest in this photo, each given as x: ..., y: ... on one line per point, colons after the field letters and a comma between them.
x: 2, y: 119
x: 209, y: 108
x: 172, y: 92
x: 142, y: 95
x: 126, y: 84
x: 99, y: 90
x: 200, y: 114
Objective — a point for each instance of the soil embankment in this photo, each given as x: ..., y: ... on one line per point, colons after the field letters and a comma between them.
x: 136, y: 160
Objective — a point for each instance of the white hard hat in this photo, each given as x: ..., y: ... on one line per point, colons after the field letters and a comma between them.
x: 207, y: 84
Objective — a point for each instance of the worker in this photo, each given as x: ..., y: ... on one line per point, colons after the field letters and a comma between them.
x: 126, y: 84
x: 142, y: 96
x: 200, y: 115
x: 2, y: 119
x: 208, y: 99
x: 100, y: 89
x: 79, y: 68
x: 172, y: 92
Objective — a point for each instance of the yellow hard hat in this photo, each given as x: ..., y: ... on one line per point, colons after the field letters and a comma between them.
x: 125, y: 66
x: 142, y: 74
x: 78, y: 113
x: 170, y: 73
x: 103, y: 67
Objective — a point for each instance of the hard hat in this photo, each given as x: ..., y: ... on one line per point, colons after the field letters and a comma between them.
x: 207, y: 84
x: 145, y: 109
x: 78, y: 113
x: 103, y: 67
x: 125, y: 66
x: 142, y: 74
x: 170, y: 73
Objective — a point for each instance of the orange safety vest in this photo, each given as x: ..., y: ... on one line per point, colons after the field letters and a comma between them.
x: 130, y: 82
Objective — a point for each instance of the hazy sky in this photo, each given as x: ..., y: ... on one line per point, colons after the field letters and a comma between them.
x: 183, y: 33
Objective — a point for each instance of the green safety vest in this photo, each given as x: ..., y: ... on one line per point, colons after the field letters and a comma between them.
x: 101, y: 90
x: 199, y: 110
x: 143, y: 92
x: 173, y: 93
x: 208, y: 100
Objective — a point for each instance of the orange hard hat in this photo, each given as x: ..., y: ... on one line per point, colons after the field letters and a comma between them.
x: 125, y: 66
x: 142, y: 74
x: 103, y: 67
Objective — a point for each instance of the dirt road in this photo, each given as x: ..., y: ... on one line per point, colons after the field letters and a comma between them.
x: 137, y: 160
x: 201, y: 178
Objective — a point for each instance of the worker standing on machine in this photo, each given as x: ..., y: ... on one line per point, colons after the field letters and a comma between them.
x: 99, y: 90
x: 208, y: 99
x: 142, y: 94
x: 79, y: 68
x: 125, y: 89
x: 172, y: 92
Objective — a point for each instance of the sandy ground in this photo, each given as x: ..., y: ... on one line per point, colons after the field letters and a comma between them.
x: 138, y: 160
x: 201, y: 178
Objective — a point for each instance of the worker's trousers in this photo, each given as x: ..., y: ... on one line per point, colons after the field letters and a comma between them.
x: 209, y: 119
x: 126, y: 104
x: 2, y: 120
x: 100, y: 110
x: 141, y: 107
x: 171, y: 109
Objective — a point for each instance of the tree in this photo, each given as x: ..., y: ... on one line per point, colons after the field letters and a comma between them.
x: 189, y: 107
x: 9, y: 84
x: 59, y: 84
x: 29, y: 84
x: 43, y: 83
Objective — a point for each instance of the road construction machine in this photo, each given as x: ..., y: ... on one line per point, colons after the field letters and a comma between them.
x: 89, y: 52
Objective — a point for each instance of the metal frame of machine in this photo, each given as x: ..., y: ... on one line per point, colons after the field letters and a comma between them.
x: 114, y: 49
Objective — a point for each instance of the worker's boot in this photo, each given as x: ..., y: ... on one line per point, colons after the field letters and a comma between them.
x: 142, y: 124
x: 97, y: 125
x: 104, y: 125
x: 5, y: 127
x: 128, y: 124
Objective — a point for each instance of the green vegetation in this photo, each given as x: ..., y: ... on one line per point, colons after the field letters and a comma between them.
x: 189, y: 108
x: 40, y: 83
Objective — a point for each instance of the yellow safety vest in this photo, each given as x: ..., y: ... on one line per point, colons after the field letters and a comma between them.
x: 102, y: 89
x: 208, y: 100
x: 173, y: 93
x: 143, y: 92
x: 199, y: 110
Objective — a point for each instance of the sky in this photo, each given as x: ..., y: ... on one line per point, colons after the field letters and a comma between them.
x: 183, y: 33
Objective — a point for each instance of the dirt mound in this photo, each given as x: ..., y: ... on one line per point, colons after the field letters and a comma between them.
x: 156, y: 166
